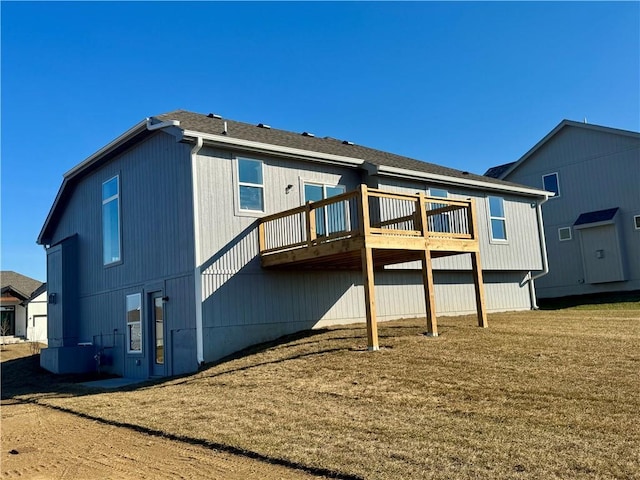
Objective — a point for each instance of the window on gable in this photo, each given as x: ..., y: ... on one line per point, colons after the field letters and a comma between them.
x: 329, y: 219
x: 551, y: 183
x: 250, y: 185
x: 134, y: 323
x: 564, y: 234
x: 111, y: 241
x: 497, y: 218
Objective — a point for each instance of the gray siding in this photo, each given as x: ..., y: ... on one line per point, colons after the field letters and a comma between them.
x: 157, y: 253
x: 597, y: 170
x: 244, y: 304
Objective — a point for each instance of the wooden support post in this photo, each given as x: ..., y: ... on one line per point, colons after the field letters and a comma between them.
x: 429, y: 294
x: 370, y: 298
x: 262, y: 243
x: 310, y: 214
x: 365, y: 221
x: 477, y: 280
x: 476, y: 266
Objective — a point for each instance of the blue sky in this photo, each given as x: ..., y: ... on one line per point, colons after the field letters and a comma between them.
x: 466, y: 85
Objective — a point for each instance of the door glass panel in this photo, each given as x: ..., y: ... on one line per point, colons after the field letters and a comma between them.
x: 313, y: 193
x: 439, y: 222
x: 335, y: 212
x: 159, y: 327
x: 329, y: 219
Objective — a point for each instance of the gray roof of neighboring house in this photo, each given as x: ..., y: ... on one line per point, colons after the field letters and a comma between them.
x: 19, y: 283
x: 496, y: 172
x: 502, y: 171
x: 245, y: 131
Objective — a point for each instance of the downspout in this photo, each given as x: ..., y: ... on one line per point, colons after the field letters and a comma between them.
x: 196, y: 247
x: 543, y: 250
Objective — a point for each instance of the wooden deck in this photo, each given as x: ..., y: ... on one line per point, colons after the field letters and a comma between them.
x: 366, y: 229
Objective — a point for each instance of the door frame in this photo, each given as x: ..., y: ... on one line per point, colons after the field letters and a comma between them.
x: 156, y: 369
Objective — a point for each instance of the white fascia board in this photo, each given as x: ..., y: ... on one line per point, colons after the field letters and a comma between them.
x: 224, y: 141
x: 401, y: 172
x: 133, y: 131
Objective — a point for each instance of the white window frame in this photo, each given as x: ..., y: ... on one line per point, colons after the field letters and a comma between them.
x: 636, y: 222
x: 492, y: 217
x: 139, y: 322
x: 106, y: 201
x: 566, y: 229
x: 242, y: 212
x: 557, y: 195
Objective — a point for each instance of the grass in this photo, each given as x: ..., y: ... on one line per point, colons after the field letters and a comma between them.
x: 546, y: 394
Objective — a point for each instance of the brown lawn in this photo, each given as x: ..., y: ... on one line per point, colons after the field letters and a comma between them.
x: 545, y: 394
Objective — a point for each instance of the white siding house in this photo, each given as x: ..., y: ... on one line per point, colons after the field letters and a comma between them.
x: 23, y: 306
x: 592, y: 224
x: 156, y: 260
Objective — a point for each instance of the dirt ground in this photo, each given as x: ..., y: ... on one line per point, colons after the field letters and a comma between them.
x: 40, y: 442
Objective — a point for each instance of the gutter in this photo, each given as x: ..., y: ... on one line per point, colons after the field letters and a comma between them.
x: 543, y: 250
x: 297, y: 153
x: 412, y: 174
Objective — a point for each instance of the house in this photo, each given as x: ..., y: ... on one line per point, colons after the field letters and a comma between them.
x: 592, y: 224
x: 23, y: 306
x: 190, y: 237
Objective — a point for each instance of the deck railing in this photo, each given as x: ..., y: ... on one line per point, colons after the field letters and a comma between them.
x: 343, y: 217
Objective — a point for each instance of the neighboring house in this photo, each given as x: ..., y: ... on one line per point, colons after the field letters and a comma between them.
x: 23, y: 307
x: 592, y: 224
x: 190, y: 237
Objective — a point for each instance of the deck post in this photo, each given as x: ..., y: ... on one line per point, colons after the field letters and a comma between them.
x: 262, y: 244
x: 427, y: 271
x: 477, y: 280
x: 370, y: 299
x: 476, y: 267
x: 429, y: 294
x: 310, y: 214
x: 365, y: 222
x: 367, y: 272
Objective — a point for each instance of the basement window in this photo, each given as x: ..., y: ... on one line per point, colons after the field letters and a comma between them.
x: 564, y: 234
x: 134, y: 323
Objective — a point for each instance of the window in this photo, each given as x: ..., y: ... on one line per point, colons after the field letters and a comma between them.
x: 329, y: 219
x: 564, y: 234
x: 551, y: 184
x: 636, y: 221
x: 134, y: 323
x: 497, y: 218
x: 250, y: 185
x: 111, y: 221
x: 439, y: 222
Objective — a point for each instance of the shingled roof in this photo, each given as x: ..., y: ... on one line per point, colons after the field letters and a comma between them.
x: 496, y: 172
x: 215, y: 125
x: 19, y: 283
